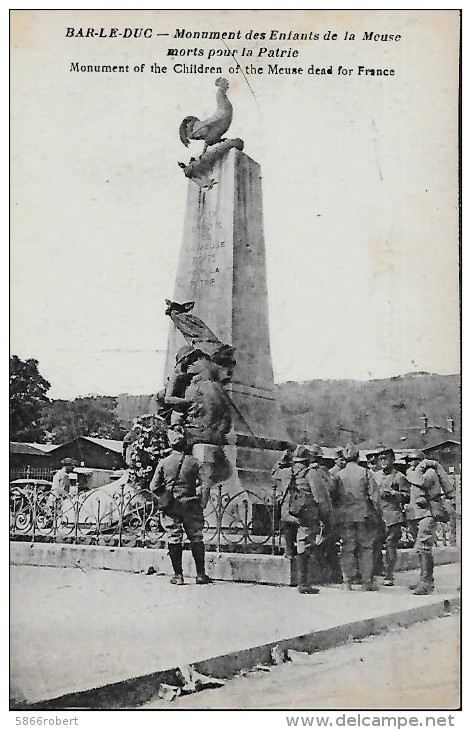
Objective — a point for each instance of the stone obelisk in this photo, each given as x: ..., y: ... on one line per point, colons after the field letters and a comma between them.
x: 222, y: 269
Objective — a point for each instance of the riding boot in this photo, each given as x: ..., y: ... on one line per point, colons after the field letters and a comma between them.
x: 391, y: 557
x: 175, y: 552
x: 302, y: 564
x: 197, y: 550
x: 289, y: 532
x: 425, y: 585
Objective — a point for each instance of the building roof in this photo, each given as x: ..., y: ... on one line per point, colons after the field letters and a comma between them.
x: 108, y: 444
x: 45, y: 448
x: 415, y: 438
x: 17, y: 447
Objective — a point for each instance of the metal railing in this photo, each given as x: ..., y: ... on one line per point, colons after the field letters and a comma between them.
x: 246, y: 521
x: 241, y: 522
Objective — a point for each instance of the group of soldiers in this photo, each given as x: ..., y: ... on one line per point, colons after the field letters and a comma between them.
x: 348, y: 514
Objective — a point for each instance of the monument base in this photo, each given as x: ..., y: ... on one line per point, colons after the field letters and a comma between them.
x: 240, y: 467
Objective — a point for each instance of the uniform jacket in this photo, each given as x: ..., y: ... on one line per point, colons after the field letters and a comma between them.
x: 424, y: 487
x: 310, y: 480
x: 394, y: 493
x: 359, y: 496
x: 336, y: 489
x: 60, y: 483
x: 184, y: 481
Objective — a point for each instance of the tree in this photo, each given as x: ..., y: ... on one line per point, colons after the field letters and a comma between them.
x: 28, y: 391
x: 64, y: 420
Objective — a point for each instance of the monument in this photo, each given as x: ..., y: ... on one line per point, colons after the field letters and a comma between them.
x: 222, y: 270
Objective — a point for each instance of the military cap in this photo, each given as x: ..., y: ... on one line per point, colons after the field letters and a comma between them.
x: 301, y: 453
x: 373, y: 452
x: 415, y: 454
x: 385, y: 450
x: 351, y: 452
x: 68, y: 462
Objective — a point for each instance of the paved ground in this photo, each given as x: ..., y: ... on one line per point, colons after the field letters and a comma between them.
x: 412, y: 668
x: 73, y: 630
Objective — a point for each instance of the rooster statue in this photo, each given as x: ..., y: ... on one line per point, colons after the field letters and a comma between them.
x: 211, y: 129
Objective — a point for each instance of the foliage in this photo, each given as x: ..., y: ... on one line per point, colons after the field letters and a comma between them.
x: 331, y: 412
x: 28, y: 391
x: 148, y: 444
x: 64, y: 420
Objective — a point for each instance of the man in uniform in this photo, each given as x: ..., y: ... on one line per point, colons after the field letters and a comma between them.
x: 358, y: 510
x: 427, y: 481
x: 281, y: 475
x: 374, y: 468
x: 61, y: 481
x: 180, y: 495
x: 329, y: 551
x: 394, y: 493
x: 60, y: 486
x: 306, y: 505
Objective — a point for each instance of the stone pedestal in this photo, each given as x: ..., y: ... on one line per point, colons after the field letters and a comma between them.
x: 222, y: 269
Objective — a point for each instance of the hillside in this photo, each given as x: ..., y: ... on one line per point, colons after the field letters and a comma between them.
x: 332, y: 412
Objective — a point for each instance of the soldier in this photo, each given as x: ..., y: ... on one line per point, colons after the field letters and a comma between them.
x: 305, y: 506
x: 334, y: 537
x: 329, y: 548
x: 180, y: 496
x: 60, y: 489
x: 427, y: 481
x: 281, y: 475
x: 374, y: 468
x: 358, y: 510
x: 340, y: 462
x: 394, y: 493
x: 61, y: 481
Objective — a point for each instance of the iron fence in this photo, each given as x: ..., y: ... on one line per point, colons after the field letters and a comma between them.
x: 242, y: 522
x: 121, y: 516
x: 32, y: 472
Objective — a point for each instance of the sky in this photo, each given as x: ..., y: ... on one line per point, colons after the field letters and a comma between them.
x: 359, y: 181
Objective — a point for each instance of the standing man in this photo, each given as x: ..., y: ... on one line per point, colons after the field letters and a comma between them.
x: 61, y: 481
x: 60, y: 486
x: 306, y: 505
x: 427, y: 480
x: 358, y: 513
x: 333, y: 539
x: 394, y: 493
x: 374, y: 468
x: 328, y: 550
x: 281, y: 475
x: 340, y: 462
x: 180, y: 496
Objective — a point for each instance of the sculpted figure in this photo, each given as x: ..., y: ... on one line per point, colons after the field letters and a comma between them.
x: 210, y: 130
x: 195, y: 390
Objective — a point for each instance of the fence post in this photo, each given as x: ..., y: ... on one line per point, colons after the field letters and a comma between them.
x: 35, y: 512
x: 246, y: 523
x: 97, y: 529
x: 219, y: 518
x: 76, y: 518
x: 54, y: 517
x: 273, y: 520
x: 121, y: 517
